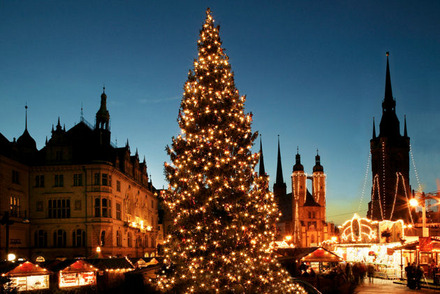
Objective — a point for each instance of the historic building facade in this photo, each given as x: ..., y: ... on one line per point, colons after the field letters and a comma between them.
x: 303, y: 218
x: 391, y: 190
x: 82, y: 196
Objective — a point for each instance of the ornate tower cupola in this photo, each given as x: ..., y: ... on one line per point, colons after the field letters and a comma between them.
x: 103, y: 116
x: 25, y: 141
x: 298, y: 166
x: 389, y: 124
x: 279, y: 187
x: 318, y: 167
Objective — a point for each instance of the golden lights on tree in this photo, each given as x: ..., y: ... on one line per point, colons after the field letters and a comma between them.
x: 223, y: 214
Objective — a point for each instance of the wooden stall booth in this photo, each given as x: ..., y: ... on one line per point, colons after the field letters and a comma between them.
x: 25, y: 276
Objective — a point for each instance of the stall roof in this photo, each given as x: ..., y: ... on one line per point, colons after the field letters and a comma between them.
x: 310, y: 254
x: 111, y: 263
x: 72, y: 265
x: 22, y: 269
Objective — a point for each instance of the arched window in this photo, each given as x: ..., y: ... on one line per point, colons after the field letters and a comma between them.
x: 118, y: 239
x: 41, y: 239
x: 102, y: 243
x: 79, y: 238
x: 59, y: 238
x: 129, y: 239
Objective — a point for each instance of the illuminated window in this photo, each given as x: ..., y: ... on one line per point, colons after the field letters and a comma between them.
x: 14, y: 206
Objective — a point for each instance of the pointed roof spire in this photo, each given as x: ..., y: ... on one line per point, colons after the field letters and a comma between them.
x: 405, y: 132
x: 262, y: 171
x: 279, y: 178
x: 374, y: 129
x: 127, y: 145
x: 25, y: 120
x: 388, y: 89
x: 82, y: 112
x: 389, y: 124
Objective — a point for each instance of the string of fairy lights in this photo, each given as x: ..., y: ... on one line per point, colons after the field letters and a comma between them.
x: 223, y: 213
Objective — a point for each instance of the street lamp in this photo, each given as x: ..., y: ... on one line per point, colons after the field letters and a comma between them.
x: 414, y: 203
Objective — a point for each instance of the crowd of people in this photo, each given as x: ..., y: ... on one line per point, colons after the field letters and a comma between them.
x: 350, y: 272
x: 414, y: 275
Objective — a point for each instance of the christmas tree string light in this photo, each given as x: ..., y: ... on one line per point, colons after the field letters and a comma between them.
x: 223, y: 213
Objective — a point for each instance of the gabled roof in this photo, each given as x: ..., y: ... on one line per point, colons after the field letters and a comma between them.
x: 310, y: 201
x: 111, y: 263
x: 71, y: 265
x: 22, y: 269
x: 310, y: 254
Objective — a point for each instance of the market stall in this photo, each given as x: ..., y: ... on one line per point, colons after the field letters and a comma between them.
x: 25, y: 276
x: 73, y: 273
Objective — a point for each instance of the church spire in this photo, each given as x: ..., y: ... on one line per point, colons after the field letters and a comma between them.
x: 262, y: 171
x: 374, y: 129
x: 279, y: 178
x: 405, y: 132
x: 25, y: 117
x: 388, y: 89
x: 389, y: 124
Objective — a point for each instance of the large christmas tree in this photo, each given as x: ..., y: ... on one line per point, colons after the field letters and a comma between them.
x: 224, y: 215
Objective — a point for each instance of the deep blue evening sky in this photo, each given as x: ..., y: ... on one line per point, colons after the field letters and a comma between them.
x: 313, y: 72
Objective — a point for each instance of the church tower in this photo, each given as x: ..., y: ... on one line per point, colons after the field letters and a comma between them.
x: 390, y: 163
x: 319, y: 183
x: 103, y: 121
x: 279, y: 187
x: 299, y: 193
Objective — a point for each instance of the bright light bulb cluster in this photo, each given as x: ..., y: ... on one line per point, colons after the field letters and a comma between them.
x: 223, y: 214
